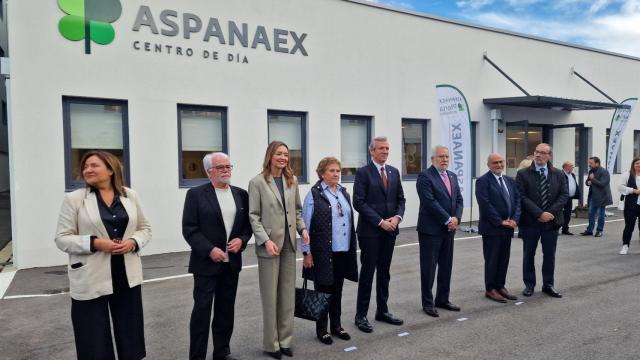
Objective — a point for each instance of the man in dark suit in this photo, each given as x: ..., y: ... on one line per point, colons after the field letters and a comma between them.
x: 215, y: 223
x: 499, y: 203
x: 379, y: 199
x: 574, y: 193
x: 544, y: 193
x: 440, y: 213
x: 599, y: 196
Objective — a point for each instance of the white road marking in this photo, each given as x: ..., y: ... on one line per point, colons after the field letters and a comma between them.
x: 403, y: 334
x: 351, y: 348
x: 520, y: 303
x: 463, y: 319
x: 4, y: 283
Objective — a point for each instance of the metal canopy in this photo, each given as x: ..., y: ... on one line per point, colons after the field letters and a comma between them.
x: 553, y: 103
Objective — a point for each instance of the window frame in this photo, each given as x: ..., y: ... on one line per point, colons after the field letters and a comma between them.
x: 302, y: 178
x: 369, y: 121
x: 70, y: 184
x: 425, y: 146
x: 189, y: 183
x: 636, y: 134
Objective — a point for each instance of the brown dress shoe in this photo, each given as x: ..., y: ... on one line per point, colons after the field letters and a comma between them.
x: 495, y: 296
x: 507, y: 295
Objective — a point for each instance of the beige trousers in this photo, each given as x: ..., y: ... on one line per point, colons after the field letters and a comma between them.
x: 277, y: 277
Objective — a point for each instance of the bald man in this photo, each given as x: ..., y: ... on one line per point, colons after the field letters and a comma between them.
x: 574, y: 193
x: 499, y: 201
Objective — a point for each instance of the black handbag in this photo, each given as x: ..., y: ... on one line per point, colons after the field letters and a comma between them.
x: 310, y: 304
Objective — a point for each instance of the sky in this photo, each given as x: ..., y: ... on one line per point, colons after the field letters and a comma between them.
x: 611, y: 25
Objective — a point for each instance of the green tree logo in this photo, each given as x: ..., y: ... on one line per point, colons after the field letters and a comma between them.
x: 89, y: 20
x: 460, y: 107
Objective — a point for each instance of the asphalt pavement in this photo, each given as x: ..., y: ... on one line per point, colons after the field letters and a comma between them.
x: 596, y: 319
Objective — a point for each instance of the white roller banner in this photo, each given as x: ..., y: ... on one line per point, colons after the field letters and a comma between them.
x: 455, y: 133
x: 618, y: 124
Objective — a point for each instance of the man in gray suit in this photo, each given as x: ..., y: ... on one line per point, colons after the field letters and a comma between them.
x: 599, y: 195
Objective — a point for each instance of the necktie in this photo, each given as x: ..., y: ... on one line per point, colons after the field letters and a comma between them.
x: 447, y: 183
x: 543, y: 188
x: 505, y: 194
x: 385, y: 182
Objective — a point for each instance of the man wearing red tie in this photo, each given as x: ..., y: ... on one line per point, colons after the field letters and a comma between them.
x: 441, y: 207
x: 379, y: 199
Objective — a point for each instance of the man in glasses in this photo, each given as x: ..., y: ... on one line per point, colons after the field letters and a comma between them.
x: 544, y: 193
x: 215, y: 223
x: 440, y: 213
x: 379, y: 199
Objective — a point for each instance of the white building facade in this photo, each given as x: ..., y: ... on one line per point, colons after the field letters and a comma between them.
x: 174, y: 80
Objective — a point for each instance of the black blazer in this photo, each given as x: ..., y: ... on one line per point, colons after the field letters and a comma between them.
x: 528, y: 180
x: 203, y: 228
x: 373, y: 203
x: 436, y: 205
x: 493, y: 208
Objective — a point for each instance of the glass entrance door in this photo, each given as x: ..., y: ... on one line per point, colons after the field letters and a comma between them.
x: 570, y: 143
x: 522, y: 139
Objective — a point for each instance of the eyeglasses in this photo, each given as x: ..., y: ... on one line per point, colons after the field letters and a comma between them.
x: 340, y: 212
x: 223, y: 167
x: 542, y: 152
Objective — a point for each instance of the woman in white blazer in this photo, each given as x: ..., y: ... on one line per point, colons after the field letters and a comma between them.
x: 630, y: 188
x: 102, y: 228
x: 275, y: 213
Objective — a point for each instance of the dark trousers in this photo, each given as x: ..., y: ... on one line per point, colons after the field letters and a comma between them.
x: 630, y: 217
x: 549, y: 238
x: 566, y: 211
x: 92, y: 326
x: 496, y: 250
x: 375, y: 256
x: 223, y: 287
x: 335, y: 289
x: 435, y: 251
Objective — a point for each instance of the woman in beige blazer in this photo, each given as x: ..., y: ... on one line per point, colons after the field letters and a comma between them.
x: 275, y: 213
x: 102, y: 227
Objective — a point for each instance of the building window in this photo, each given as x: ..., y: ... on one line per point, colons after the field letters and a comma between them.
x: 93, y: 124
x: 290, y: 128
x: 414, y: 147
x: 616, y: 166
x: 201, y: 130
x: 636, y: 144
x: 355, y: 133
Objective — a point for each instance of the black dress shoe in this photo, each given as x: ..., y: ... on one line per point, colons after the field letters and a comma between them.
x: 363, y: 324
x: 340, y: 333
x: 586, y: 233
x: 567, y: 233
x: 274, y: 354
x: 287, y: 351
x: 448, y: 306
x: 388, y: 318
x: 431, y: 312
x: 598, y: 234
x: 528, y: 291
x: 551, y: 292
x: 325, y: 338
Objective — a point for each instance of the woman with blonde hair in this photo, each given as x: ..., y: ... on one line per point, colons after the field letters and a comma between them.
x: 275, y: 213
x: 102, y: 227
